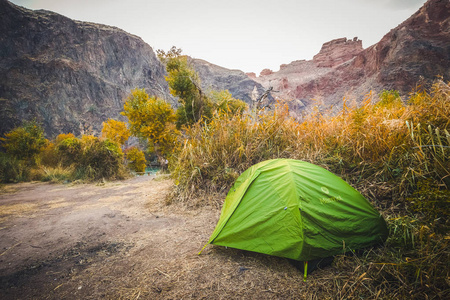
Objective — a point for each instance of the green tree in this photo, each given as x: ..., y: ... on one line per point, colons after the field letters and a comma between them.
x: 184, y: 83
x: 25, y: 142
x: 153, y: 119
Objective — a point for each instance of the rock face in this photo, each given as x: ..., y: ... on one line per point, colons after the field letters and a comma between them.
x: 69, y: 75
x: 418, y: 49
x: 236, y: 82
x: 336, y: 52
x: 266, y: 72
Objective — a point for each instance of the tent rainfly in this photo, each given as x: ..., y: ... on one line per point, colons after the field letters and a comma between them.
x: 294, y: 209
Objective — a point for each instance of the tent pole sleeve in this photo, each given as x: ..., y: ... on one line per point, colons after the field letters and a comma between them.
x: 305, y: 267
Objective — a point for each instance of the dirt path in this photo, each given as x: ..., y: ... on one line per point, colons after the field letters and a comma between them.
x: 119, y: 240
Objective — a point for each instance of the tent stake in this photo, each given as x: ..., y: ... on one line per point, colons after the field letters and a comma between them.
x: 202, y: 249
x: 305, y: 267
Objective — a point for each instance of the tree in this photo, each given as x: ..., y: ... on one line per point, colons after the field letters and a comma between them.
x: 152, y: 118
x: 136, y: 159
x: 116, y: 131
x: 25, y: 142
x: 62, y: 136
x: 184, y: 83
x: 224, y: 103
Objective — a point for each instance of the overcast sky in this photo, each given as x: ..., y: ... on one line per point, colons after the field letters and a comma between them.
x: 248, y: 35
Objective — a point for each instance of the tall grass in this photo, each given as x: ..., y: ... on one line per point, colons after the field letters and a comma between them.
x: 394, y: 151
x: 214, y: 154
x: 380, y: 142
x: 54, y: 174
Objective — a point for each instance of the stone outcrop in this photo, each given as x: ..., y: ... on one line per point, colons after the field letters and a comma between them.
x: 265, y: 72
x: 69, y: 75
x: 336, y: 52
x: 286, y: 80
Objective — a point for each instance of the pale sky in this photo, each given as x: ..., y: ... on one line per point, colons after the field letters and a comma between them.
x: 248, y: 35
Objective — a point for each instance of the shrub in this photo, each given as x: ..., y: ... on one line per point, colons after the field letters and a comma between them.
x: 100, y: 159
x: 12, y: 169
x: 91, y: 158
x: 396, y: 153
x: 49, y: 155
x: 215, y: 154
x: 70, y: 151
x: 53, y: 174
x: 25, y: 142
x: 224, y: 103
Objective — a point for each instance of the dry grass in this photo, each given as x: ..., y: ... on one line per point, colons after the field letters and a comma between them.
x: 394, y: 151
x: 381, y: 142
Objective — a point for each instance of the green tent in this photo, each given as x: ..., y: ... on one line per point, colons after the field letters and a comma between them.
x: 294, y: 209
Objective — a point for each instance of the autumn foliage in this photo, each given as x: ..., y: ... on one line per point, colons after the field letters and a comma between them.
x: 25, y: 142
x: 116, y: 131
x: 136, y: 159
x: 153, y: 120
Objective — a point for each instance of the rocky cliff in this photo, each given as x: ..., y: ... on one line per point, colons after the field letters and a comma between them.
x: 214, y: 77
x: 69, y: 75
x: 416, y: 50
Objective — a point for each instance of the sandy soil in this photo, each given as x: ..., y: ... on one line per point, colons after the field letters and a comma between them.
x: 119, y: 240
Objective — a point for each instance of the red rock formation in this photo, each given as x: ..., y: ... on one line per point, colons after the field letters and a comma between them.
x: 284, y: 83
x: 336, y: 52
x: 417, y: 49
x: 265, y: 72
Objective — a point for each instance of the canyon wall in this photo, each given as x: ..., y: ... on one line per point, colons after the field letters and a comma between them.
x: 69, y: 75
